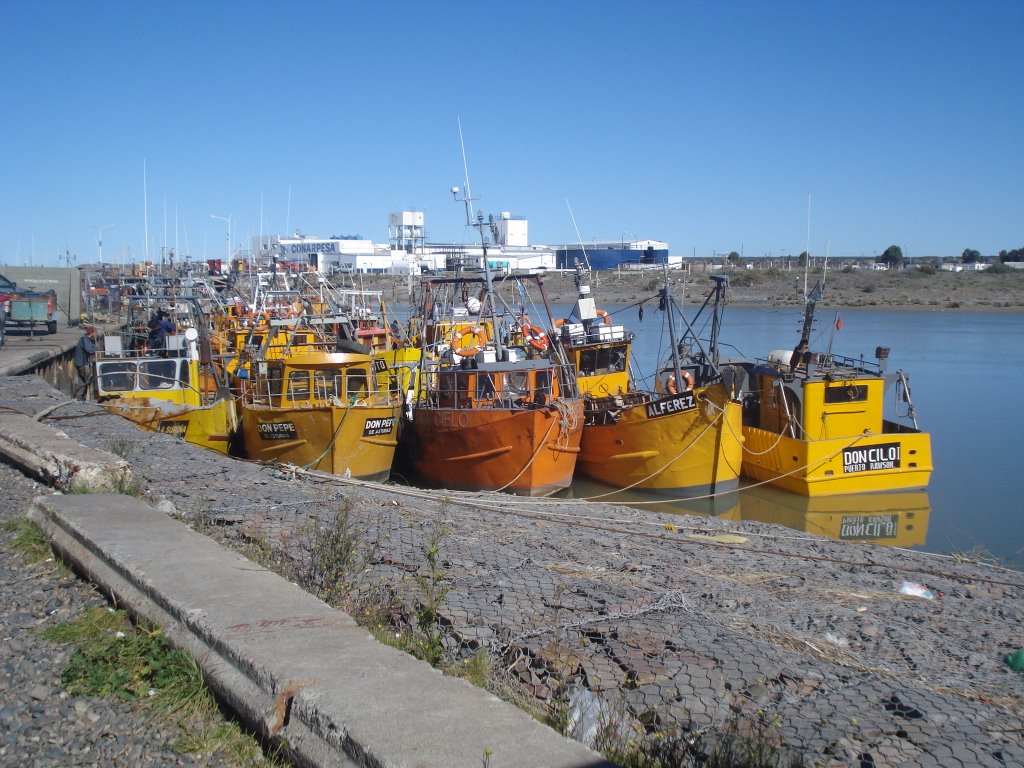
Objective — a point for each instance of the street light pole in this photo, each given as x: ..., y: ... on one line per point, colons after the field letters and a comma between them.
x: 99, y: 241
x: 68, y: 260
x: 228, y: 221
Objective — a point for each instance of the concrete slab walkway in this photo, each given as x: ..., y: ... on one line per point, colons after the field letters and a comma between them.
x: 290, y: 665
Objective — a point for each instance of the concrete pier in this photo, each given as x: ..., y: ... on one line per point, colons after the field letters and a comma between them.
x: 288, y: 664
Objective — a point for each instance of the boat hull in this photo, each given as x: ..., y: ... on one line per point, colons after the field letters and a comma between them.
x: 527, y: 452
x: 890, y: 461
x: 353, y: 441
x: 208, y: 426
x: 668, y: 448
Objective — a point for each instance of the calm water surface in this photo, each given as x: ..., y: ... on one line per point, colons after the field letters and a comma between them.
x: 966, y: 371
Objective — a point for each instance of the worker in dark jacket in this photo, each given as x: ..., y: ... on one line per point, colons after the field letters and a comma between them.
x: 85, y: 351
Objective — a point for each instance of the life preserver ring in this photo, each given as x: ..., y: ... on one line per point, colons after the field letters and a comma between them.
x: 534, y: 336
x: 605, y: 316
x: 670, y: 383
x: 481, y: 342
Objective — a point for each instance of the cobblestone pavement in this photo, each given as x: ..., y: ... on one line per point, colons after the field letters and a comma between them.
x: 676, y: 619
x: 40, y: 724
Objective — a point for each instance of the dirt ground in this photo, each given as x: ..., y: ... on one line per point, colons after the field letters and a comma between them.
x: 912, y: 289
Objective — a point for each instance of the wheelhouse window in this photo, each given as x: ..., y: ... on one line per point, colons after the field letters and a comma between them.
x: 846, y: 393
x: 517, y: 384
x: 596, y: 361
x: 158, y: 374
x: 484, y: 386
x: 326, y: 385
x: 117, y: 377
x: 543, y: 385
x: 298, y: 385
x: 356, y: 386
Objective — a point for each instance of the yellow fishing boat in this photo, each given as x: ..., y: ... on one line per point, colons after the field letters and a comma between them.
x: 680, y: 437
x: 174, y: 389
x: 320, y: 410
x: 815, y: 424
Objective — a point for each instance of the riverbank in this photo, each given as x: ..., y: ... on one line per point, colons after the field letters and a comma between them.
x: 912, y: 289
x: 683, y: 623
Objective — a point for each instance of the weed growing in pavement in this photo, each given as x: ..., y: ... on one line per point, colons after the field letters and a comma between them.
x: 120, y: 446
x: 477, y: 669
x: 125, y: 484
x: 128, y: 485
x: 432, y: 594
x: 750, y: 741
x: 335, y: 558
x: 118, y: 659
x: 411, y: 623
x: 261, y: 552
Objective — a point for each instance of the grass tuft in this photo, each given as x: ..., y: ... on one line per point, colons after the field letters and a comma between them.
x: 125, y: 484
x: 29, y: 541
x: 115, y: 658
x: 120, y: 446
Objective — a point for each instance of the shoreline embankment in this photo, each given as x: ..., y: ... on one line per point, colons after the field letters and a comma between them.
x: 687, y: 620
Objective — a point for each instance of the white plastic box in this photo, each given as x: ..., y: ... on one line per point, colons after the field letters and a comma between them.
x: 574, y: 331
x: 611, y: 333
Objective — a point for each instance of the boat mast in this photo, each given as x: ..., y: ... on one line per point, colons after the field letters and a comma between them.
x: 670, y: 310
x: 478, y: 224
x: 810, y: 300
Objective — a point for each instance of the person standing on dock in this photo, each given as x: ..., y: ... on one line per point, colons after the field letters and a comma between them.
x: 85, y: 352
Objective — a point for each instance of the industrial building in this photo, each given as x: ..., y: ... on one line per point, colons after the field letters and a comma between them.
x: 408, y: 251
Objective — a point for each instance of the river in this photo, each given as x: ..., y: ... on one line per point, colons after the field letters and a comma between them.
x: 966, y: 369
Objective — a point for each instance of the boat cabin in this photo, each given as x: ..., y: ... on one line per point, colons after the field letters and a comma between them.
x: 601, y: 369
x: 496, y: 385
x: 172, y: 376
x: 840, y: 398
x: 314, y: 379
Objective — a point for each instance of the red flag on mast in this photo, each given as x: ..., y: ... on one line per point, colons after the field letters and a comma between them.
x: 839, y: 322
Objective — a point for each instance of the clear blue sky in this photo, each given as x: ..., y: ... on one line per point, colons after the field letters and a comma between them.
x: 705, y: 124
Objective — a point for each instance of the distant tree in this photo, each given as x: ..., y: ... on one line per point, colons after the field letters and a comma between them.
x: 892, y: 257
x: 734, y: 258
x: 803, y: 259
x: 1017, y: 254
x: 970, y: 256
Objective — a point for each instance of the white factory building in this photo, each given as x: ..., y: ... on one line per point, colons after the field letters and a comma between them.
x: 407, y: 250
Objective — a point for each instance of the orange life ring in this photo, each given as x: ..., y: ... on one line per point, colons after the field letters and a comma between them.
x: 481, y: 342
x: 670, y: 383
x: 534, y: 336
x: 605, y: 316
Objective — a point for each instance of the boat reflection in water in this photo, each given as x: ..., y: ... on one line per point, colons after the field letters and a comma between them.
x: 894, y: 519
x: 723, y: 505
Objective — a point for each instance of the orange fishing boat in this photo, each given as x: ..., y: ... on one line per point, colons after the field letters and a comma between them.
x: 497, y: 407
